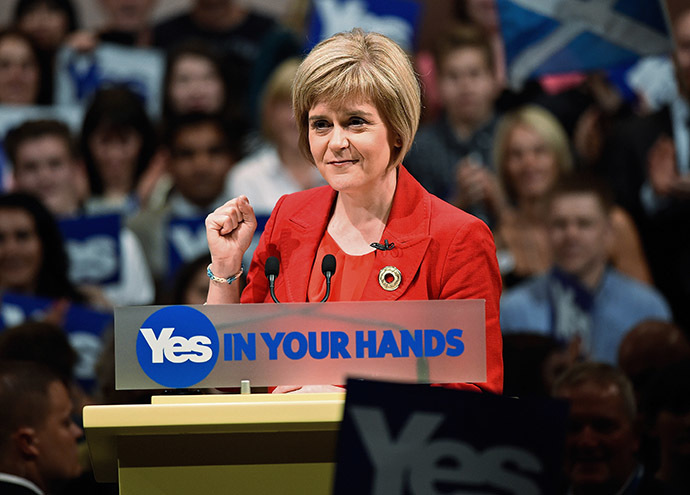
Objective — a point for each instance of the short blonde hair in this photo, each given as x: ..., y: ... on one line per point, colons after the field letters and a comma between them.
x: 354, y: 65
x: 546, y: 126
x: 278, y: 90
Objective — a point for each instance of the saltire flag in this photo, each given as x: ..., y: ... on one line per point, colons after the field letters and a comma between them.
x: 556, y: 36
x: 397, y: 19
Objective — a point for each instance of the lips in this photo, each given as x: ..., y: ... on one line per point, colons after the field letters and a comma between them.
x: 341, y: 163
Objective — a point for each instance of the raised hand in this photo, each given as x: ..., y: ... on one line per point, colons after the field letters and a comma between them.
x: 229, y: 231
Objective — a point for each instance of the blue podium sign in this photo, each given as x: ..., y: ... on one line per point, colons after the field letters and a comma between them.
x: 299, y: 343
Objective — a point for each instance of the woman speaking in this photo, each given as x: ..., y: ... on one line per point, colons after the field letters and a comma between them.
x: 357, y: 106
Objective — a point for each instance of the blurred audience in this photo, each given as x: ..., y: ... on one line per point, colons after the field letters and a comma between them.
x: 647, y: 161
x: 531, y: 363
x: 46, y: 165
x: 38, y: 438
x: 33, y: 260
x: 650, y: 346
x: 451, y: 157
x: 40, y: 342
x: 191, y: 282
x: 532, y: 153
x: 201, y: 151
x: 665, y: 407
x: 48, y: 23
x: 278, y: 167
x: 581, y: 298
x: 195, y: 81
x: 127, y: 22
x: 240, y: 34
x: 20, y: 74
x: 602, y: 440
x: 118, y: 143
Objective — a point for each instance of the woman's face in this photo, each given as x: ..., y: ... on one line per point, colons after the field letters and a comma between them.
x: 47, y: 26
x: 20, y: 250
x: 281, y: 120
x: 129, y: 15
x: 195, y: 86
x: 197, y: 290
x: 115, y: 154
x: 530, y: 163
x: 19, y: 73
x: 351, y: 144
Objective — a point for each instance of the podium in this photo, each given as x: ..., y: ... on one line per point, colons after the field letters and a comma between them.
x: 262, y: 443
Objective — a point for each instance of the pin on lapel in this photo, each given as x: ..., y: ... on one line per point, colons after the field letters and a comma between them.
x: 389, y: 278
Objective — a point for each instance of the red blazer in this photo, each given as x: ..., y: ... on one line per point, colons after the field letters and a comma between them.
x: 441, y: 251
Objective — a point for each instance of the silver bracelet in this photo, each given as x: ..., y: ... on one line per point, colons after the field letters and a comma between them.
x: 221, y: 280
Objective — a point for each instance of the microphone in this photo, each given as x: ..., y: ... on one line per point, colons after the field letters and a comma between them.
x: 328, y: 269
x: 271, y: 270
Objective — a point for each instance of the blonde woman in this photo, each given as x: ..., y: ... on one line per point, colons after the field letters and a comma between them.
x: 531, y: 152
x: 357, y: 105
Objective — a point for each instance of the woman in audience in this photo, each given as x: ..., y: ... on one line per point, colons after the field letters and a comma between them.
x: 191, y: 282
x: 278, y: 167
x: 33, y: 260
x: 20, y: 75
x: 531, y: 152
x: 118, y: 144
x: 48, y: 23
x: 194, y: 81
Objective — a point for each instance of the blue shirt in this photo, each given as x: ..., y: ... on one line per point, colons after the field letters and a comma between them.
x: 549, y: 306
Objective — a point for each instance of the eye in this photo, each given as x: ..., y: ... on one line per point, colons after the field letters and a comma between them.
x: 320, y: 125
x: 357, y: 121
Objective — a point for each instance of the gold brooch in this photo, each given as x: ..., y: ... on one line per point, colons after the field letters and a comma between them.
x: 389, y: 278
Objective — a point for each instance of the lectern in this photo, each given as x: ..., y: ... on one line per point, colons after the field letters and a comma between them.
x: 263, y: 443
x: 246, y: 444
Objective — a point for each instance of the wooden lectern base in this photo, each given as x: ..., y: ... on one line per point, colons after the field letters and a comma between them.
x: 258, y: 443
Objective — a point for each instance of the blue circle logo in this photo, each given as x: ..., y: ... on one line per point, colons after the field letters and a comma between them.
x: 177, y: 346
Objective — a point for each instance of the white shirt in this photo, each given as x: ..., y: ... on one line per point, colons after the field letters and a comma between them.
x: 263, y: 179
x: 16, y: 480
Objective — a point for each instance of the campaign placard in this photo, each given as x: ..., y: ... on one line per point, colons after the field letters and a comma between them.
x: 299, y: 343
x: 78, y: 75
x: 84, y: 327
x: 399, y: 439
x: 186, y: 241
x: 93, y: 246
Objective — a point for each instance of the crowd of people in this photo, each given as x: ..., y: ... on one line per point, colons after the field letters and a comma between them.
x: 586, y: 193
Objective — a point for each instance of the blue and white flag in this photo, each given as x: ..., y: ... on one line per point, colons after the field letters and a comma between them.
x: 79, y: 75
x: 556, y: 36
x: 397, y: 19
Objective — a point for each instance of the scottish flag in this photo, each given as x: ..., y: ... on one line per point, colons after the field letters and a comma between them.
x: 397, y: 19
x: 555, y: 36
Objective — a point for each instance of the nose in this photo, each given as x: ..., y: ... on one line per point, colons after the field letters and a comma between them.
x: 339, y: 139
x: 587, y: 437
x: 77, y: 431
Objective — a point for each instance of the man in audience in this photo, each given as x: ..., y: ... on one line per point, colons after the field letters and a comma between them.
x: 602, y: 441
x: 452, y: 156
x: 201, y: 153
x: 650, y: 346
x: 665, y: 408
x: 38, y: 439
x: 581, y: 299
x: 46, y: 165
x: 648, y: 164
